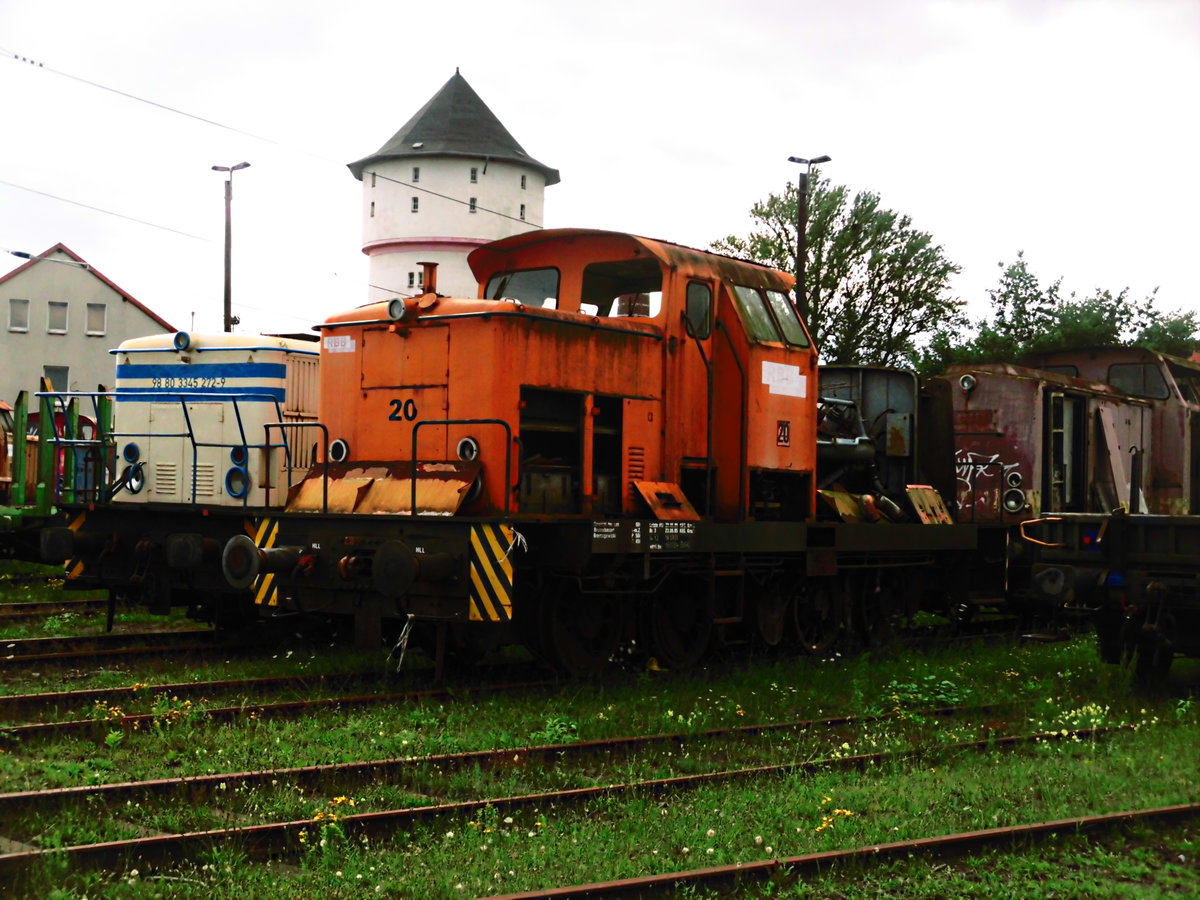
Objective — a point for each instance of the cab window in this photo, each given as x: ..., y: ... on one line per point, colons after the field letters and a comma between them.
x: 788, y: 318
x: 630, y: 287
x: 757, y: 316
x: 533, y: 287
x: 1139, y: 379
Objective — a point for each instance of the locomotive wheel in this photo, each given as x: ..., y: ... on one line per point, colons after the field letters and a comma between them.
x: 771, y: 615
x: 1152, y: 661
x: 677, y: 628
x: 818, y: 612
x: 1110, y: 636
x: 577, y: 634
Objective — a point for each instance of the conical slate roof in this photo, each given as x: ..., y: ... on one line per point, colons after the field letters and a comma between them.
x: 455, y: 122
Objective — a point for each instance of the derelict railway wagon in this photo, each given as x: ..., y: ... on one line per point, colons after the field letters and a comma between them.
x: 200, y: 437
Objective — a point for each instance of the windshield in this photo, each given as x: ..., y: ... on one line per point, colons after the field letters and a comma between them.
x: 533, y: 287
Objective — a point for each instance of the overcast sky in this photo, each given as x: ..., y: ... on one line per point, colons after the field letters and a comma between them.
x: 1065, y: 129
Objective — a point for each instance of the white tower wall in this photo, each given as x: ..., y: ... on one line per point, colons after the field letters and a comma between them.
x: 443, y: 228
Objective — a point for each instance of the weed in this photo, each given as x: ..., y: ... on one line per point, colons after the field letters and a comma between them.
x: 925, y: 692
x: 557, y: 729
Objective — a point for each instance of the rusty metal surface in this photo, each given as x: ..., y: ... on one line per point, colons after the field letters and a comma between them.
x: 928, y: 503
x: 667, y: 501
x: 386, y: 488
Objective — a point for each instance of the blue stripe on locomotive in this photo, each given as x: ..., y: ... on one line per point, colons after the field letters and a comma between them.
x: 203, y: 370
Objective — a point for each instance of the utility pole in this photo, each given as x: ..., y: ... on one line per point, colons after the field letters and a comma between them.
x: 229, y: 319
x: 802, y: 230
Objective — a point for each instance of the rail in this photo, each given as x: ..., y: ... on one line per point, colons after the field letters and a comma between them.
x: 288, y: 468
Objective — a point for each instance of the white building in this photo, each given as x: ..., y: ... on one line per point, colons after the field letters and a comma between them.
x: 452, y: 178
x: 61, y: 319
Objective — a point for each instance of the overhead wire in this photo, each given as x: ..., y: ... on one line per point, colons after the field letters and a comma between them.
x: 248, y: 134
x: 126, y: 94
x: 108, y: 212
x: 171, y: 109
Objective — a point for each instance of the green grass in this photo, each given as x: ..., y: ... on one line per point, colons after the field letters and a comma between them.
x: 1036, y: 687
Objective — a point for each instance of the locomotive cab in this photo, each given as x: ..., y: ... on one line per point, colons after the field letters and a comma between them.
x: 577, y: 384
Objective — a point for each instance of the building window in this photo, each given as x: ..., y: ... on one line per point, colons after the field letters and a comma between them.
x: 372, y: 209
x: 474, y: 175
x: 18, y: 314
x: 412, y: 279
x: 58, y: 376
x: 471, y: 204
x: 56, y: 317
x: 416, y: 204
x: 416, y: 173
x: 522, y: 212
x: 522, y: 182
x: 372, y: 179
x: 97, y: 318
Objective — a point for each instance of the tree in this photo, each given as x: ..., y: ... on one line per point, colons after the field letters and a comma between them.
x: 875, y: 283
x: 1027, y: 318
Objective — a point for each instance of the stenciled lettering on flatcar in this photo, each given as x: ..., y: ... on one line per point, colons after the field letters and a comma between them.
x: 402, y: 410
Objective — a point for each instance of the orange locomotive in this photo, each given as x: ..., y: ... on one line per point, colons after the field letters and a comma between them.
x: 615, y: 441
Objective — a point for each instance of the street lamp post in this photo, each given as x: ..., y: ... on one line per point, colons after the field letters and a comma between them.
x: 229, y: 320
x: 802, y: 229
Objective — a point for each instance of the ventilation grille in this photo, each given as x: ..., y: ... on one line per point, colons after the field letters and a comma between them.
x: 636, y: 466
x: 206, y: 480
x: 166, y: 478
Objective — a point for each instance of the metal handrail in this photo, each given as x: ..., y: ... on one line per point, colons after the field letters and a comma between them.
x: 507, y: 455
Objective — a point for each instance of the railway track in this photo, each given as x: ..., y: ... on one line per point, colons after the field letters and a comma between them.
x: 744, y: 874
x: 34, y: 730
x: 41, y: 609
x: 24, y: 651
x: 280, y: 840
x: 342, y: 776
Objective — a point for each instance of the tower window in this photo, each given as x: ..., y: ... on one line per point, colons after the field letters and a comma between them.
x: 474, y: 175
x: 416, y: 173
x: 522, y: 182
x: 372, y: 179
x: 471, y: 204
x: 372, y: 209
x: 416, y: 204
x: 522, y: 212
x: 416, y: 279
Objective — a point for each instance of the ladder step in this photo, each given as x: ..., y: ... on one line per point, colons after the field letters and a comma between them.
x: 728, y: 620
x: 724, y: 573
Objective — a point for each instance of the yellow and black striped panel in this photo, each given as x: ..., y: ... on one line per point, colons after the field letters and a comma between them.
x: 265, y: 532
x: 75, y: 566
x: 491, y: 573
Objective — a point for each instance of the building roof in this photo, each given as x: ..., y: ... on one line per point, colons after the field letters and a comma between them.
x: 67, y: 251
x: 455, y: 122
